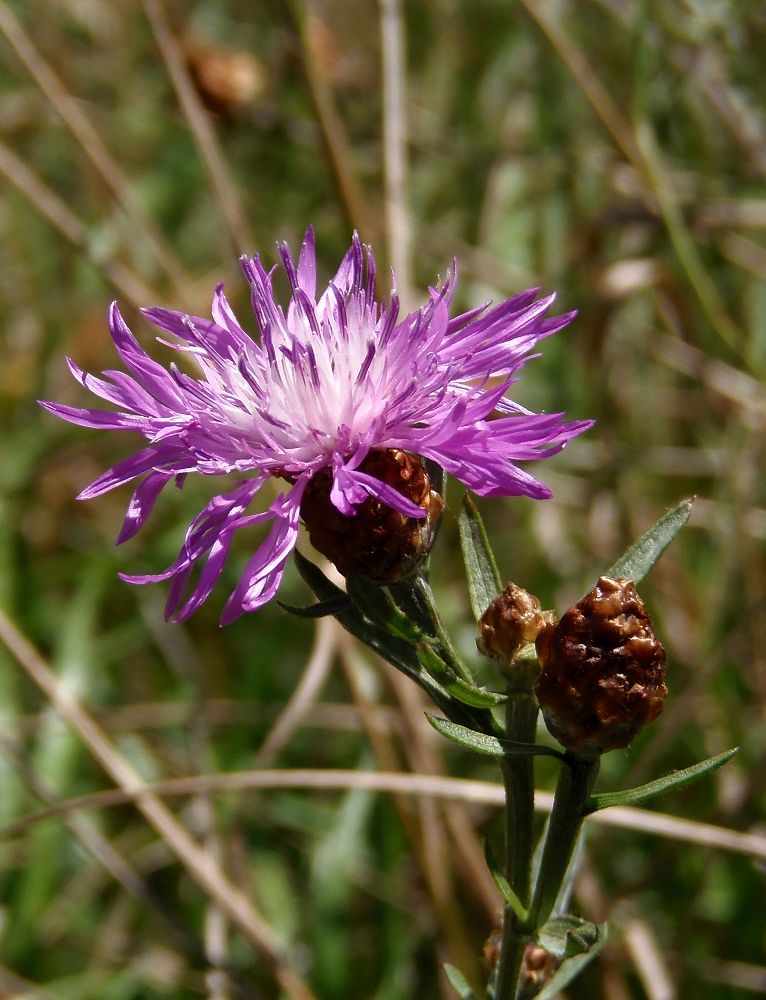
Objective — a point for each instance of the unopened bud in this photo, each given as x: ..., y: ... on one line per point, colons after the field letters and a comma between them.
x: 602, y: 670
x: 538, y: 966
x: 228, y: 81
x: 512, y: 621
x: 493, y: 945
x: 376, y: 542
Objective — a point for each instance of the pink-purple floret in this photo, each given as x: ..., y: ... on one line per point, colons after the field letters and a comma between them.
x: 326, y: 382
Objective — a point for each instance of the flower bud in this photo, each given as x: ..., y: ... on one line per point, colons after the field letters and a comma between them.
x: 512, y: 620
x: 493, y: 945
x: 376, y: 542
x: 537, y: 967
x: 602, y: 670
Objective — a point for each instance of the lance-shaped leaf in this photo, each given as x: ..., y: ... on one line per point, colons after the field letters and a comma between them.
x: 490, y: 746
x: 484, y: 582
x: 632, y: 795
x: 461, y: 689
x: 643, y: 554
x: 572, y: 967
x: 502, y: 883
x: 399, y: 652
x: 458, y: 982
x: 321, y: 609
x: 415, y: 600
x: 376, y: 604
x: 403, y: 655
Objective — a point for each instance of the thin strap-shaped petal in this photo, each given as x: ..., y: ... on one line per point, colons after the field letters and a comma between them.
x: 100, y: 419
x: 153, y: 375
x: 172, y: 460
x: 307, y: 265
x: 388, y: 494
x: 264, y: 570
x: 142, y: 503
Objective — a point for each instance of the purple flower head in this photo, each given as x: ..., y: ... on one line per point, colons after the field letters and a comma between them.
x: 328, y: 381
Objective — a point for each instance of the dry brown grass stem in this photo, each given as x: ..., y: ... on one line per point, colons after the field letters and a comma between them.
x: 437, y: 850
x: 465, y: 847
x: 641, y: 151
x: 106, y: 854
x: 645, y: 952
x: 58, y: 213
x: 91, y: 144
x: 468, y: 791
x: 198, y: 862
x: 339, y: 149
x: 201, y: 129
x: 395, y: 146
x: 587, y: 80
x: 417, y: 818
x: 326, y: 637
x: 725, y: 380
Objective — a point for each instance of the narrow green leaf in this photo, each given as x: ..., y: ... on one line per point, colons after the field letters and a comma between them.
x: 323, y: 587
x: 402, y: 654
x: 319, y: 610
x: 461, y: 689
x: 477, y: 697
x: 458, y: 982
x: 490, y: 746
x: 484, y: 582
x: 643, y: 554
x: 632, y: 795
x: 414, y: 599
x: 398, y: 652
x: 433, y: 663
x: 567, y: 936
x: 572, y: 967
x: 502, y: 883
x: 376, y: 604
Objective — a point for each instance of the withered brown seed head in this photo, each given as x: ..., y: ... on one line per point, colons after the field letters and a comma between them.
x: 512, y: 620
x: 602, y: 677
x: 377, y: 542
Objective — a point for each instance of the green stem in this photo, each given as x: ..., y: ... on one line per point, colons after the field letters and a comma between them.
x: 518, y: 778
x: 576, y: 780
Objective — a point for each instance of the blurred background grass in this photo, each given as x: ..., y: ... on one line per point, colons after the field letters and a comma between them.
x: 614, y: 150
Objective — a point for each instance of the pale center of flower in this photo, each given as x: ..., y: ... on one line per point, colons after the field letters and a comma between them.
x: 319, y: 391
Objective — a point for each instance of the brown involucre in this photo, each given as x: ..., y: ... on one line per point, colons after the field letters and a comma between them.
x: 377, y: 541
x: 602, y: 676
x: 512, y: 620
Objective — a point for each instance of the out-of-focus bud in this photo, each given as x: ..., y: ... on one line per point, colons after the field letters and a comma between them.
x: 602, y: 676
x: 493, y: 944
x: 228, y: 81
x: 537, y: 967
x: 512, y: 621
x: 377, y: 542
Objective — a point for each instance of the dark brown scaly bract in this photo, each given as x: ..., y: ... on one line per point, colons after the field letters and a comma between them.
x: 602, y: 676
x: 377, y: 542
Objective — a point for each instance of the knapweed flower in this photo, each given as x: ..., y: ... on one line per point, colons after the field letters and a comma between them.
x: 328, y: 384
